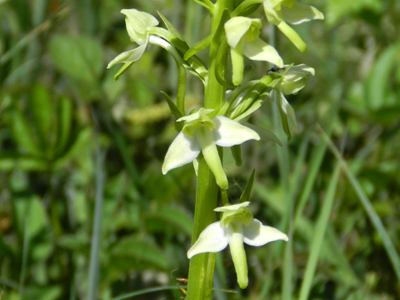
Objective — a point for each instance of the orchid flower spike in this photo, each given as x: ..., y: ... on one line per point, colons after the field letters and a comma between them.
x: 242, y: 36
x: 237, y: 226
x: 137, y: 24
x: 201, y: 133
x: 291, y: 83
x: 279, y: 12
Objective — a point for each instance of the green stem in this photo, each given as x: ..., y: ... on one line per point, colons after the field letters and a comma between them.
x: 94, y: 263
x: 201, y: 269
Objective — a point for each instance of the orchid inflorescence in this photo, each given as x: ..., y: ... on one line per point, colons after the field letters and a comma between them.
x: 223, y: 123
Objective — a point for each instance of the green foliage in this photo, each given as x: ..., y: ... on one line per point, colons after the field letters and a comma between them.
x: 80, y: 58
x: 58, y: 107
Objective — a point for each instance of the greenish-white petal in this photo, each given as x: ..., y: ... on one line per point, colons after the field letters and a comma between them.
x: 139, y: 20
x: 235, y: 29
x: 293, y: 87
x: 212, y: 239
x: 138, y: 38
x: 257, y: 234
x: 297, y: 72
x: 272, y: 15
x: 182, y: 151
x: 229, y: 133
x: 233, y: 207
x: 235, y: 239
x: 129, y: 56
x: 261, y: 51
x: 300, y: 13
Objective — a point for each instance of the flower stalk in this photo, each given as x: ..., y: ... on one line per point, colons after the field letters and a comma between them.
x: 201, y: 268
x: 222, y: 121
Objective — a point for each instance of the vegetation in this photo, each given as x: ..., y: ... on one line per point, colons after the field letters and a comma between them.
x: 81, y: 157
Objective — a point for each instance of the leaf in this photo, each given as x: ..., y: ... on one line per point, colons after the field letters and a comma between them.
x: 42, y: 112
x: 79, y: 143
x: 141, y: 251
x: 46, y: 292
x: 386, y: 115
x: 170, y: 27
x: 237, y: 154
x: 204, y: 43
x: 376, y: 86
x: 247, y: 190
x: 23, y: 134
x: 174, y: 109
x: 31, y: 215
x: 336, y: 10
x: 123, y: 69
x: 206, y: 4
x: 64, y: 120
x: 80, y: 58
x: 163, y: 219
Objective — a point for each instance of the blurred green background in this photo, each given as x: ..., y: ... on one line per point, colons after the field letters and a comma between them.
x: 71, y: 137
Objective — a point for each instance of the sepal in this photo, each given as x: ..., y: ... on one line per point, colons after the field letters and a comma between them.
x: 300, y: 13
x: 211, y: 239
x: 182, y: 151
x: 256, y: 234
x: 129, y: 56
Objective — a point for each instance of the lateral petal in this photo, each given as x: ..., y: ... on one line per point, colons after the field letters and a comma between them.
x: 300, y: 13
x: 182, y: 151
x: 257, y: 234
x: 235, y: 29
x: 212, y: 239
x: 229, y: 133
x: 261, y: 51
x: 129, y: 56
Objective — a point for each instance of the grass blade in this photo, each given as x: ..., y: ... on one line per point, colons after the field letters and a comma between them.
x: 94, y: 264
x: 318, y: 237
x: 366, y: 203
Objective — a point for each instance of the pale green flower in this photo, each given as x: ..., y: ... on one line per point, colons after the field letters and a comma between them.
x: 242, y: 37
x: 200, y: 133
x: 281, y: 12
x: 237, y: 226
x: 137, y: 24
x: 291, y: 83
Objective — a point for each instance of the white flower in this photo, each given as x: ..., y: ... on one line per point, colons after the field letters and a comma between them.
x: 279, y: 12
x: 242, y: 36
x: 236, y: 227
x: 201, y: 133
x: 137, y: 25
